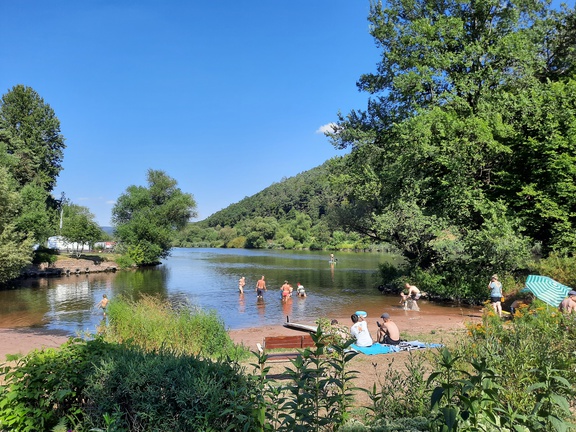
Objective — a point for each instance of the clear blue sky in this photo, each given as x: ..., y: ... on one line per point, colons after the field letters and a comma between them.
x: 226, y: 97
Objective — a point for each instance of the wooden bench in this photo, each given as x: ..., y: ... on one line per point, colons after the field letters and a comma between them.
x: 284, y: 342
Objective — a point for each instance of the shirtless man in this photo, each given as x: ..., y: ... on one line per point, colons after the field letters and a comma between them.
x: 412, y: 293
x: 388, y: 332
x: 568, y: 305
x: 260, y: 287
x: 103, y: 303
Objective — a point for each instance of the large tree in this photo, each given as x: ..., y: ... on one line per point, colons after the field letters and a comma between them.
x: 469, y: 136
x: 79, y: 227
x: 146, y: 219
x: 15, y: 247
x: 31, y: 132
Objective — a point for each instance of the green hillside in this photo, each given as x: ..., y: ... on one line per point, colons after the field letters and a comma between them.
x: 296, y: 213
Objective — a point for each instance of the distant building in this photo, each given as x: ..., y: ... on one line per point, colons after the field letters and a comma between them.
x: 59, y: 243
x: 105, y: 245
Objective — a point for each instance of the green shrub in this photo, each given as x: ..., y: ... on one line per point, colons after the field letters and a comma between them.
x: 168, y: 392
x: 44, y: 255
x: 560, y: 267
x: 154, y: 324
x: 237, y: 242
x: 46, y: 385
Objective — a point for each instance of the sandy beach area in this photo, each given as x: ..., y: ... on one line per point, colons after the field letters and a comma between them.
x: 412, y: 325
x: 426, y: 326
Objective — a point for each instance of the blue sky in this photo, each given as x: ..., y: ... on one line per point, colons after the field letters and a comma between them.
x: 226, y: 97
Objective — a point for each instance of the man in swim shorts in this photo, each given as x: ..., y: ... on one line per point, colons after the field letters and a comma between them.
x: 411, y: 293
x: 388, y: 332
x: 260, y: 287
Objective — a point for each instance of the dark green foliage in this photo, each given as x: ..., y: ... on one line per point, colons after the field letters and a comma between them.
x: 31, y: 153
x: 464, y: 158
x: 79, y: 227
x: 160, y: 391
x: 45, y: 255
x: 48, y: 385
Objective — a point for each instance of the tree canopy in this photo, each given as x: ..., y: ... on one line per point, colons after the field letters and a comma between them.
x: 465, y: 156
x: 146, y: 219
x: 31, y: 132
x: 31, y: 154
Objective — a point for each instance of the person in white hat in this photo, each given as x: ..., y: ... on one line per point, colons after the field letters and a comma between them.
x: 359, y: 331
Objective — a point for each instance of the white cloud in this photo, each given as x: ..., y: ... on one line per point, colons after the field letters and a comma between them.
x: 327, y: 128
x: 111, y: 202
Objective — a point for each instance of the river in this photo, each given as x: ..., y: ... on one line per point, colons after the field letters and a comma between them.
x: 208, y: 278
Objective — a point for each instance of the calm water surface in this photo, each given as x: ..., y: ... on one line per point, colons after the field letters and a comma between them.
x: 209, y: 278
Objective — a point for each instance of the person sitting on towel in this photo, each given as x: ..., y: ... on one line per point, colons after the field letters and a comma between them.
x: 388, y: 332
x: 359, y: 331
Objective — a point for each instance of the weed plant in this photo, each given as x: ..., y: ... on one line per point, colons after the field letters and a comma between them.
x: 508, y: 375
x: 154, y: 324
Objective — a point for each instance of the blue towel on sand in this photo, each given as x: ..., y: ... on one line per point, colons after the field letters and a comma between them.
x: 387, y: 349
x: 376, y: 349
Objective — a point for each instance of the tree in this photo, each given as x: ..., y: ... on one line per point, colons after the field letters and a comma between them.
x: 472, y: 110
x: 31, y: 132
x: 146, y: 219
x: 79, y: 227
x: 15, y: 246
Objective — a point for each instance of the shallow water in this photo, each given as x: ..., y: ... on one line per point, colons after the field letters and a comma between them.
x: 209, y: 278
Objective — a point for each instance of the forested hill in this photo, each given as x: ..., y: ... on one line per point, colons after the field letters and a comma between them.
x: 307, y: 192
x: 292, y: 214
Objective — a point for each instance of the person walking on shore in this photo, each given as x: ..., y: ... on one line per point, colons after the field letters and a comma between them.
x: 260, y: 287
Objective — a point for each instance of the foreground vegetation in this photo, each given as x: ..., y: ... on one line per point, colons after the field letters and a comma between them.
x: 500, y: 377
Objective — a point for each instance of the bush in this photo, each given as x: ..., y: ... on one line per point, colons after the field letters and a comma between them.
x: 47, y: 385
x: 154, y: 324
x: 166, y: 392
x: 45, y: 255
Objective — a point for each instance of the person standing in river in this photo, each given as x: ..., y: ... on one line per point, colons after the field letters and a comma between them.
x: 260, y: 287
x: 103, y: 303
x: 241, y: 284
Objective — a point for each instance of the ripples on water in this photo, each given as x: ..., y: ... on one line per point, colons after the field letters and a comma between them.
x: 209, y: 278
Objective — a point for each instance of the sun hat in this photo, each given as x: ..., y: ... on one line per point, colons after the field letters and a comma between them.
x: 572, y: 293
x: 385, y: 315
x: 495, y: 276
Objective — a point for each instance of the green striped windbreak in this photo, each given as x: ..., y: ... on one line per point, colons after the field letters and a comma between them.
x: 547, y: 289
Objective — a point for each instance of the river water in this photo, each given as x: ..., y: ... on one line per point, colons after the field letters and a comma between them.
x: 208, y: 278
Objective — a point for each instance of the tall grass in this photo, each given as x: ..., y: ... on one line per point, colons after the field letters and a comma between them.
x: 155, y: 324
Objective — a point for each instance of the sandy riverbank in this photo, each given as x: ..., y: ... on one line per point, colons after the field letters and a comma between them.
x: 414, y: 324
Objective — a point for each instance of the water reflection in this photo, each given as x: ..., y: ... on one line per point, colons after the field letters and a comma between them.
x: 209, y: 278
